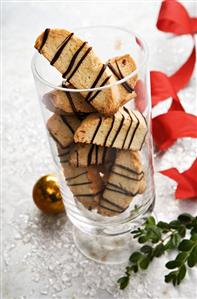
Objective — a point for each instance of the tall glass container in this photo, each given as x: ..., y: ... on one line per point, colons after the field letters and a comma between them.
x: 104, y: 237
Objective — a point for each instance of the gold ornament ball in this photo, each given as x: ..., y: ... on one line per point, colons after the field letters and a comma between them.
x: 47, y: 196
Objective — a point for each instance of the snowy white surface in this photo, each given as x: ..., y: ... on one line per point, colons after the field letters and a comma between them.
x: 40, y: 259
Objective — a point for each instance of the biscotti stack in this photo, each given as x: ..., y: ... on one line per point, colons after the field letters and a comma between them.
x: 97, y: 137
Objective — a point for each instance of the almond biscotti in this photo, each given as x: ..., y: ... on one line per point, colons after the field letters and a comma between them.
x: 78, y: 63
x: 114, y: 201
x: 62, y: 128
x: 125, y: 181
x: 65, y: 102
x: 126, y: 129
x: 73, y: 103
x: 127, y: 172
x: 121, y: 67
x: 85, y: 183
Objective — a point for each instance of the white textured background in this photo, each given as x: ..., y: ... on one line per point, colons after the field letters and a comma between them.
x: 40, y: 260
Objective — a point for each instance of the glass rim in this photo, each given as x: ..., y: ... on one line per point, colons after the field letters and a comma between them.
x: 118, y: 82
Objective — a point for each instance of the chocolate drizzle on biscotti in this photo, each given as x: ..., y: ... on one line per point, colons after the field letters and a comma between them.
x: 118, y: 131
x: 79, y: 184
x: 111, y: 209
x: 61, y: 48
x: 76, y: 176
x: 96, y: 81
x: 62, y: 154
x: 136, y: 127
x: 71, y: 103
x: 129, y: 127
x: 63, y: 117
x: 128, y: 169
x: 77, y: 114
x: 119, y: 190
x: 72, y: 62
x: 88, y: 194
x: 55, y: 139
x: 109, y: 131
x: 98, y: 91
x: 127, y: 177
x: 97, y: 128
x: 116, y: 189
x: 111, y: 203
x: 104, y: 155
x: 120, y: 76
x: 45, y: 36
x: 89, y: 158
x: 96, y: 154
x: 79, y: 63
x: 110, y: 187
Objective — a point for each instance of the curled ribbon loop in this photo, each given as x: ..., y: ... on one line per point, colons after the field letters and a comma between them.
x: 173, y: 18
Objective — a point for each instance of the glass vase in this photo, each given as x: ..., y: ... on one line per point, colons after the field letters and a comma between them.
x: 101, y: 230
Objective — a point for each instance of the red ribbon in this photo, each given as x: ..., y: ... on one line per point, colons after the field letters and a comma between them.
x: 176, y: 123
x: 187, y: 181
x: 172, y: 125
x: 172, y: 18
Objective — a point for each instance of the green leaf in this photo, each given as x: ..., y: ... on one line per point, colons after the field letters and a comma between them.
x: 123, y: 282
x: 154, y: 234
x: 181, y: 274
x: 150, y: 220
x: 173, y: 264
x: 163, y: 225
x: 185, y: 218
x: 135, y: 257
x: 169, y: 244
x: 146, y: 249
x: 185, y: 245
x: 144, y: 262
x: 135, y: 231
x: 194, y: 237
x: 142, y: 239
x: 192, y: 259
x: 170, y: 276
x: 182, y: 231
x: 159, y: 250
x: 175, y: 240
x: 181, y: 257
x: 134, y: 268
x: 137, y: 235
x: 174, y: 224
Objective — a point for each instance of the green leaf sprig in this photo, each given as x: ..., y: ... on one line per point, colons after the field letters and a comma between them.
x: 159, y: 238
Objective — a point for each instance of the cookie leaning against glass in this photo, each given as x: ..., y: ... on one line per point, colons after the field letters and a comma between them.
x: 90, y: 127
x: 78, y: 63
